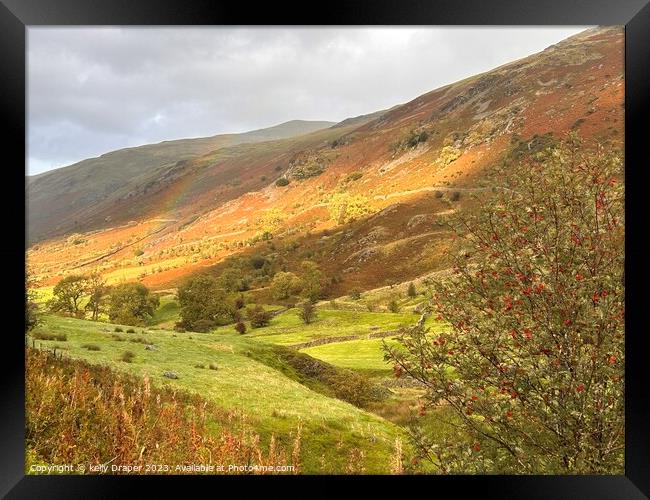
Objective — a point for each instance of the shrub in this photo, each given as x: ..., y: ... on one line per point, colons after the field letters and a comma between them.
x: 258, y: 316
x: 345, y: 207
x: 213, y: 366
x: 411, y: 291
x: 455, y: 196
x: 354, y: 388
x: 203, y: 325
x: 127, y: 356
x: 353, y: 176
x: 62, y: 337
x: 393, y: 306
x: 140, y: 340
x: 91, y: 347
x: 355, y: 294
x: 282, y: 181
x: 307, y: 312
x: 130, y: 330
x: 118, y: 329
x: 118, y: 338
x: 240, y: 328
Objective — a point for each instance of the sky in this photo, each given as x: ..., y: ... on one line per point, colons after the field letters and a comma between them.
x: 97, y: 89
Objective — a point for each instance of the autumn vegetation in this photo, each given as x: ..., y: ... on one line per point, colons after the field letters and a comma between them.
x: 78, y: 413
x: 533, y: 363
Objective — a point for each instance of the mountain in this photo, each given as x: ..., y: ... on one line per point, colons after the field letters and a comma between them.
x: 60, y: 200
x: 404, y: 167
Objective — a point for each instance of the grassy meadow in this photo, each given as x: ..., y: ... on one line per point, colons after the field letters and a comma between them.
x: 277, y: 390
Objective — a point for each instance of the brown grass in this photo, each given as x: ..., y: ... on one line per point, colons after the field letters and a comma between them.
x: 77, y: 413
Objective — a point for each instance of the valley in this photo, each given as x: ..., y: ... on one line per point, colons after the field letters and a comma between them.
x: 314, y: 245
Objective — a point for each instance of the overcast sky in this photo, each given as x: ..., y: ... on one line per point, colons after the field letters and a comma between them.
x: 94, y: 90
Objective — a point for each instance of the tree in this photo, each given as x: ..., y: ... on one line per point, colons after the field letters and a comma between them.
x: 346, y: 207
x: 131, y: 304
x: 31, y: 309
x: 307, y: 312
x: 312, y: 281
x: 97, y: 288
x: 68, y: 294
x: 411, y: 291
x: 233, y: 280
x: 533, y: 369
x: 240, y: 328
x: 284, y: 285
x: 258, y: 316
x: 202, y: 299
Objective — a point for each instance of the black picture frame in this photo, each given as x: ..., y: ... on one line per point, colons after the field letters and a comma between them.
x: 17, y: 15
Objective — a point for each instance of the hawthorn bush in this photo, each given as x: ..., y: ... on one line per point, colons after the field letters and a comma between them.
x: 533, y: 364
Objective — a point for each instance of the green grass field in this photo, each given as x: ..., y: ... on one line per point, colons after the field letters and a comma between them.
x: 273, y: 402
x: 364, y: 355
x: 288, y: 328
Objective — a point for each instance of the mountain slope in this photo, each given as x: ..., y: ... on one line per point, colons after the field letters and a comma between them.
x: 411, y: 164
x: 58, y: 200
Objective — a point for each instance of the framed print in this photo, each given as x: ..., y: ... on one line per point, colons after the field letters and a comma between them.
x: 381, y: 244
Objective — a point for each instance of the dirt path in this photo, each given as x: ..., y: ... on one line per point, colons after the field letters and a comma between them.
x: 424, y: 190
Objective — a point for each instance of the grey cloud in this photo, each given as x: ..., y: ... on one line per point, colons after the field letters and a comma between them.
x: 92, y: 90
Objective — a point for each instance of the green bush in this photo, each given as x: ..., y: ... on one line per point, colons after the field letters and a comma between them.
x: 354, y: 176
x: 258, y: 316
x: 282, y: 181
x: 203, y: 325
x: 127, y: 356
x: 62, y: 337
x: 411, y: 292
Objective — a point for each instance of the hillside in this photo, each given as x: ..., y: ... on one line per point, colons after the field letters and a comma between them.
x: 320, y: 248
x: 60, y: 200
x: 409, y: 165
